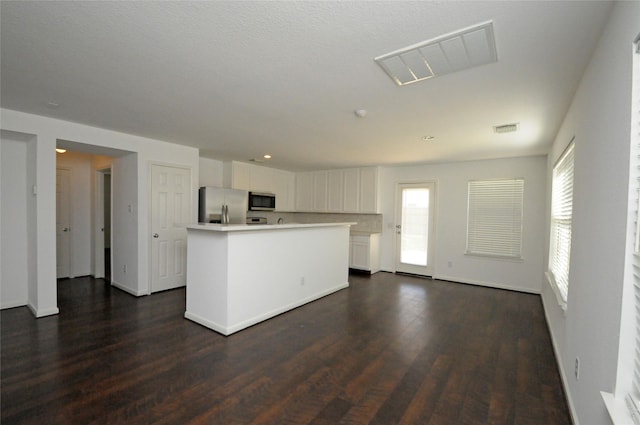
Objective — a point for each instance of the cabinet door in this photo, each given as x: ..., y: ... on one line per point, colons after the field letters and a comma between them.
x: 369, y: 190
x: 320, y: 191
x: 351, y: 193
x: 304, y: 192
x: 359, y: 253
x: 335, y: 191
x: 284, y: 189
x: 261, y: 179
x: 240, y: 175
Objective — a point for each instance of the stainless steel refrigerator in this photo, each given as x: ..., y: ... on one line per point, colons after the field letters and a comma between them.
x: 217, y: 204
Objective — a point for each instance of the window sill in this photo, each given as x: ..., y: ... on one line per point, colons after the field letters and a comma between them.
x: 617, y: 409
x: 561, y: 302
x: 495, y: 257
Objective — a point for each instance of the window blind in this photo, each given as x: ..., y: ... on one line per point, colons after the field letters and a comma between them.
x: 633, y: 399
x: 494, y: 225
x: 561, y: 217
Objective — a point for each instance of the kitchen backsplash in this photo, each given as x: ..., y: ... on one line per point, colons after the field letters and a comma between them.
x: 367, y: 223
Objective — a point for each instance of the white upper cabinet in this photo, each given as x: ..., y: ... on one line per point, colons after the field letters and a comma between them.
x: 256, y: 178
x: 349, y: 190
x: 320, y: 191
x: 304, y: 192
x: 353, y: 190
x: 335, y: 190
x: 284, y: 187
x: 369, y: 190
x: 261, y: 179
x: 236, y: 175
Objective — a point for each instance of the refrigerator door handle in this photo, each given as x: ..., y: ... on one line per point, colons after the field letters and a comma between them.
x: 224, y: 218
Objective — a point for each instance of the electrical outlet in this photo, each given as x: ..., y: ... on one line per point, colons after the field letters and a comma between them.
x: 124, y: 269
x: 450, y: 264
x: 302, y: 281
x: 577, y: 368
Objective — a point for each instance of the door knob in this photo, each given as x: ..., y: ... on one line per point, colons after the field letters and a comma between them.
x: 155, y: 235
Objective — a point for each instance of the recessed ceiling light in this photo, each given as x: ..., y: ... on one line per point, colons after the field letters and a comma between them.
x: 52, y: 105
x: 267, y: 156
x: 428, y: 138
x: 60, y: 150
x: 360, y: 113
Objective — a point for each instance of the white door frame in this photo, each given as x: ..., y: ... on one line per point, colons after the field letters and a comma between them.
x: 150, y: 212
x: 98, y: 246
x: 70, y: 212
x: 432, y: 230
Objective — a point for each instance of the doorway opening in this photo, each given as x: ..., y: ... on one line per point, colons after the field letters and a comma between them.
x: 91, y: 206
x: 103, y: 224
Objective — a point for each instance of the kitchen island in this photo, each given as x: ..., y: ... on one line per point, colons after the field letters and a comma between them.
x: 240, y: 275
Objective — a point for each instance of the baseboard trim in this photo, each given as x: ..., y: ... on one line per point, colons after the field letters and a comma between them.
x: 563, y: 375
x: 126, y: 289
x: 486, y: 284
x: 12, y: 304
x: 43, y: 312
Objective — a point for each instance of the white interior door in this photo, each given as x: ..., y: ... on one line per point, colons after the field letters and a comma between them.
x: 414, y: 228
x: 102, y: 222
x: 63, y: 223
x: 170, y: 213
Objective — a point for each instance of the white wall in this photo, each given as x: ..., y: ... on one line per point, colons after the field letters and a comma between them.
x: 124, y: 221
x: 47, y: 131
x: 210, y: 172
x: 14, y: 193
x: 599, y: 118
x: 451, y: 220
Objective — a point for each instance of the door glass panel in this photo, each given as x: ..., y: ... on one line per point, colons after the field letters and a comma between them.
x: 415, y: 224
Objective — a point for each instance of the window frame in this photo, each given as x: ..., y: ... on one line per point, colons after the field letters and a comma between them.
x: 560, y: 226
x: 487, y: 236
x: 632, y: 398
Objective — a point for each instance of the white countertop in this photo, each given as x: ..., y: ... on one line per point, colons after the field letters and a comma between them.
x: 252, y: 227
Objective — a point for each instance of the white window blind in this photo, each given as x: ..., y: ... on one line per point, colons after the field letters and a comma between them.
x: 633, y: 399
x: 494, y: 220
x: 561, y: 216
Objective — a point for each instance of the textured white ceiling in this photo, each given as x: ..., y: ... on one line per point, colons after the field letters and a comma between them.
x: 240, y: 79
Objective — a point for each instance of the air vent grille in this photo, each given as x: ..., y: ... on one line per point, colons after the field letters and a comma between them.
x: 467, y: 48
x: 507, y: 128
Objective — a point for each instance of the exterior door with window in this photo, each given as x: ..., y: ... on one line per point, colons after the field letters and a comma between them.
x: 415, y: 228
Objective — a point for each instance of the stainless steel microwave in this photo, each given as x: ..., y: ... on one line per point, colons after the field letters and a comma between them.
x: 261, y: 201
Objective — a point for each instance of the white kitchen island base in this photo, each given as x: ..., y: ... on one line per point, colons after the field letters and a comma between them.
x: 239, y: 275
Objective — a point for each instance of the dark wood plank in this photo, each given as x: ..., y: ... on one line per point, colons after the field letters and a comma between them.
x: 389, y: 350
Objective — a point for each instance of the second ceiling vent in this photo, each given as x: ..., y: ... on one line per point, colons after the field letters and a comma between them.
x: 472, y: 46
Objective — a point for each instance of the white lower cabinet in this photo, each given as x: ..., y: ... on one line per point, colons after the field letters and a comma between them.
x: 364, y: 252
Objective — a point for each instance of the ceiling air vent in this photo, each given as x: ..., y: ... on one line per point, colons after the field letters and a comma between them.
x: 507, y: 128
x: 469, y: 47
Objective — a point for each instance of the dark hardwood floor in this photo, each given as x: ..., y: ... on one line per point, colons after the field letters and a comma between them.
x: 388, y: 350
